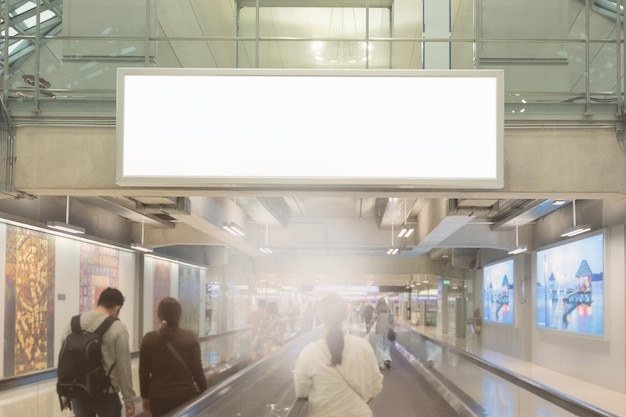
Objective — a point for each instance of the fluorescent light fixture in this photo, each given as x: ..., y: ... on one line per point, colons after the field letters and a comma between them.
x: 558, y: 202
x: 266, y: 249
x: 393, y: 251
x: 519, y: 249
x: 141, y: 248
x: 65, y: 227
x: 233, y: 229
x: 406, y: 231
x: 576, y: 230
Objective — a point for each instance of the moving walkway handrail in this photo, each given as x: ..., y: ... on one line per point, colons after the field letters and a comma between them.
x: 297, y: 407
x: 17, y: 381
x: 566, y: 402
x: 219, y: 391
x: 221, y: 335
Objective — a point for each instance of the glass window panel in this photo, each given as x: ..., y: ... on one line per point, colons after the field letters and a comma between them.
x: 406, y: 54
x: 246, y: 54
x: 315, y: 22
x: 196, y: 54
x: 545, y: 67
x: 462, y: 55
x: 321, y: 54
x: 215, y: 18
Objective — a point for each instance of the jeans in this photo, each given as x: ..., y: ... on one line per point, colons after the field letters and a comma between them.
x: 382, y: 348
x: 105, y: 405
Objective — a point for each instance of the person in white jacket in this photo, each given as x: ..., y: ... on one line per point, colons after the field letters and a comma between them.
x: 338, y: 374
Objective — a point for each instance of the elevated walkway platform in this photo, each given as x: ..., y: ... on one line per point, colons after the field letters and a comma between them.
x: 432, y: 375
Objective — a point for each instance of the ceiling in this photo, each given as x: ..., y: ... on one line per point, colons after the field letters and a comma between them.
x: 352, y: 223
x: 328, y: 225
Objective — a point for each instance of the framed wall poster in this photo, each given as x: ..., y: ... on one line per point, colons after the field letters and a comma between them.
x: 499, y: 292
x: 570, y: 286
x: 29, y: 301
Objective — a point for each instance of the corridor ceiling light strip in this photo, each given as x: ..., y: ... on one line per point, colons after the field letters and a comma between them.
x: 518, y: 248
x: 406, y: 231
x: 233, y: 229
x: 66, y: 227
x: 140, y: 246
x: 393, y: 250
x: 575, y: 230
x: 266, y: 249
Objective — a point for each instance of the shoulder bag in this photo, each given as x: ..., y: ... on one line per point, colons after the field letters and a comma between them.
x: 182, y: 362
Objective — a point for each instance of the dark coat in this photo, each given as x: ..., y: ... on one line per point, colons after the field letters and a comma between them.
x: 161, y: 374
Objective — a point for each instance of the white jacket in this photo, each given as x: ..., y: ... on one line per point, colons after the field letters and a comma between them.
x: 328, y: 393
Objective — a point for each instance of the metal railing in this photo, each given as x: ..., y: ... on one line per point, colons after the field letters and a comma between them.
x: 443, y: 360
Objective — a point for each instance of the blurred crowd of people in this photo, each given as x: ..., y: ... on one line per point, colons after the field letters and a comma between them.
x: 270, y: 327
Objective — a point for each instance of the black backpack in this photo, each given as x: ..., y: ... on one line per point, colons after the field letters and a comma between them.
x: 80, y: 372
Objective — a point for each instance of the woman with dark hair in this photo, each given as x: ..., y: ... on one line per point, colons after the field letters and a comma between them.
x: 170, y: 367
x: 338, y: 374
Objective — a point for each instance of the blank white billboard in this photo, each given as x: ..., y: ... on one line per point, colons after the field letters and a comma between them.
x: 212, y: 127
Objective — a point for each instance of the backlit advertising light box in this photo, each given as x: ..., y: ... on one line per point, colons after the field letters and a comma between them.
x: 570, y: 286
x: 498, y: 292
x: 209, y: 127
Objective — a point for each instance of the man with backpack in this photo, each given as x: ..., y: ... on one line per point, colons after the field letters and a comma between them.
x: 98, y: 392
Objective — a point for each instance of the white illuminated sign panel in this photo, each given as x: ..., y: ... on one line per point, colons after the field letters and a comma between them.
x: 191, y: 127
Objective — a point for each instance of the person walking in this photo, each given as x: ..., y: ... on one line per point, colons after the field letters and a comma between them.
x: 170, y: 366
x: 368, y: 314
x: 273, y: 328
x: 383, y: 320
x: 255, y: 319
x: 338, y: 374
x: 115, y: 358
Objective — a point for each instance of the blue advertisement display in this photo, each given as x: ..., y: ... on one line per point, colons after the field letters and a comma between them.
x: 570, y: 286
x: 498, y: 292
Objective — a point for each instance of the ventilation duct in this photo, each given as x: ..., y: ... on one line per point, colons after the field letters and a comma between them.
x: 455, y: 208
x: 180, y: 205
